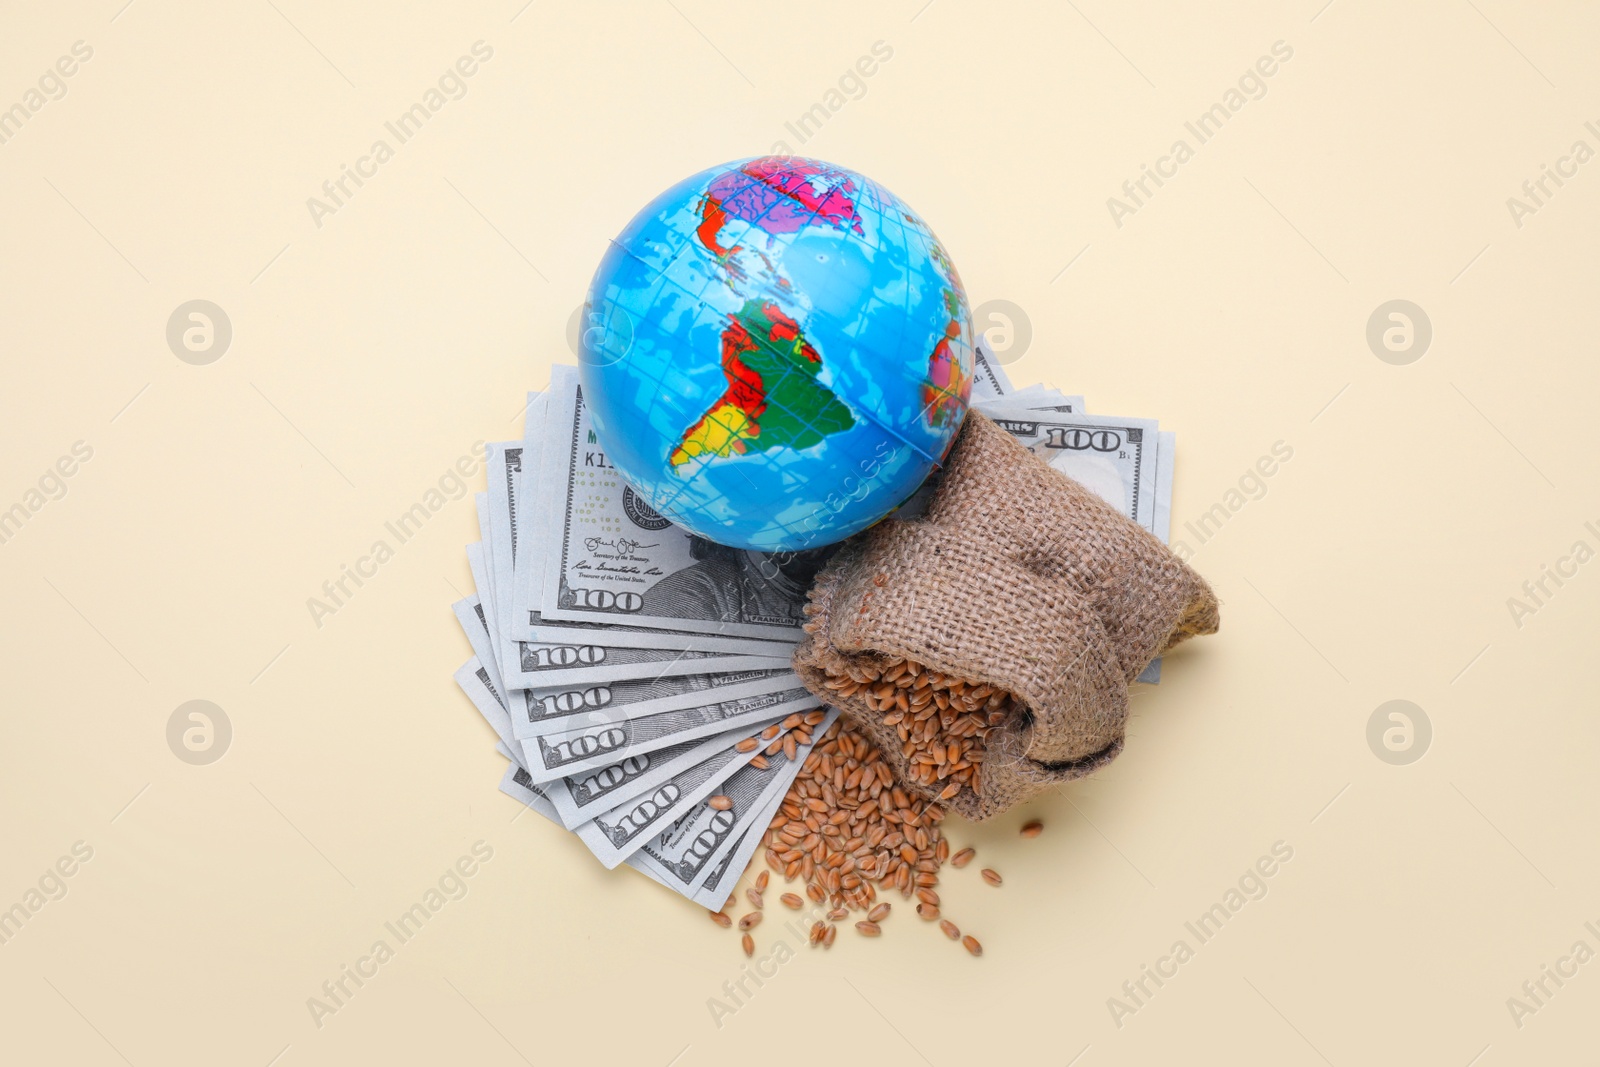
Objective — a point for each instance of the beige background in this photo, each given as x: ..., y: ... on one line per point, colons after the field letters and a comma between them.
x: 369, y: 353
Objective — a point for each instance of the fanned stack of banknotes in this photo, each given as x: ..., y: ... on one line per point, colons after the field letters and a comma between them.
x: 626, y: 663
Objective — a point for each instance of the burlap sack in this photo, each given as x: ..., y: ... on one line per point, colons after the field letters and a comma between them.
x: 1020, y: 578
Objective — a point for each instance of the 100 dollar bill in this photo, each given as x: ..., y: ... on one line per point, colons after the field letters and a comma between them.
x: 474, y: 623
x: 618, y: 635
x: 544, y: 665
x: 616, y: 834
x: 586, y: 794
x: 692, y: 848
x: 526, y: 664
x: 528, y: 622
x: 542, y: 712
x: 989, y: 380
x: 596, y: 744
x: 717, y: 884
x: 609, y: 557
x: 516, y: 784
x: 1112, y: 457
x: 475, y: 681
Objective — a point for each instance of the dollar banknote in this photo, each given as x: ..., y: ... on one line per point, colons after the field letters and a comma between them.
x: 1115, y: 458
x: 527, y: 622
x: 1126, y: 462
x: 528, y: 664
x: 717, y: 884
x: 587, y: 744
x: 989, y: 381
x: 522, y: 789
x: 582, y: 796
x: 684, y: 854
x: 478, y: 562
x: 476, y: 683
x: 586, y: 684
x: 692, y: 847
x: 667, y: 774
x: 543, y: 665
x: 503, y: 463
x: 524, y: 589
x: 1165, y: 462
x: 609, y: 557
x: 1042, y: 398
x: 474, y: 624
x: 543, y: 712
x: 616, y: 834
x: 534, y: 627
x: 592, y: 657
x: 516, y: 784
x: 579, y: 799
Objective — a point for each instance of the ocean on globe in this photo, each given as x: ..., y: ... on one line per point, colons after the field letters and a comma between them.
x: 777, y: 353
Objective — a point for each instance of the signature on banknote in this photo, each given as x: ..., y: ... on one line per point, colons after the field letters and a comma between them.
x: 622, y: 548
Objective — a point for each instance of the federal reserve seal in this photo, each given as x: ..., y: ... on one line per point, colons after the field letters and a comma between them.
x: 642, y: 514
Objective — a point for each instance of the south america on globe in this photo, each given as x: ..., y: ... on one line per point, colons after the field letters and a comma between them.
x: 777, y: 353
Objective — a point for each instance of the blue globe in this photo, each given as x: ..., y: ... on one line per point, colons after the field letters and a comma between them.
x: 778, y: 351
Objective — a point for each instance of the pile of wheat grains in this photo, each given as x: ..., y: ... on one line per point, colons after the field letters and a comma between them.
x: 941, y: 720
x: 850, y: 832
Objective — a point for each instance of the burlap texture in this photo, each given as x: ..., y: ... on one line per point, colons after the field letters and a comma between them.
x: 1018, y: 577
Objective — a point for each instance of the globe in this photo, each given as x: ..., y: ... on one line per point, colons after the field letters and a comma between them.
x: 777, y: 353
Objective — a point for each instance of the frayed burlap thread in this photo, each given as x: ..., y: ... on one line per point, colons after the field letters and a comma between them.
x: 1019, y: 578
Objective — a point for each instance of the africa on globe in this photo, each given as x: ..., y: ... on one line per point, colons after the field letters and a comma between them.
x: 778, y: 353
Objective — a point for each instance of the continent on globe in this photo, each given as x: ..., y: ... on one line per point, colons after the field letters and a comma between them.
x: 948, y: 387
x: 773, y: 397
x: 777, y: 195
x: 945, y: 393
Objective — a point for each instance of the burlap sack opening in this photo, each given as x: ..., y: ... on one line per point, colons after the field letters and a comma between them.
x: 1016, y: 577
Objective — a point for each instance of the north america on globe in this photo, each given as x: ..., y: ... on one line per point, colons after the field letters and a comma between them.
x: 777, y: 196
